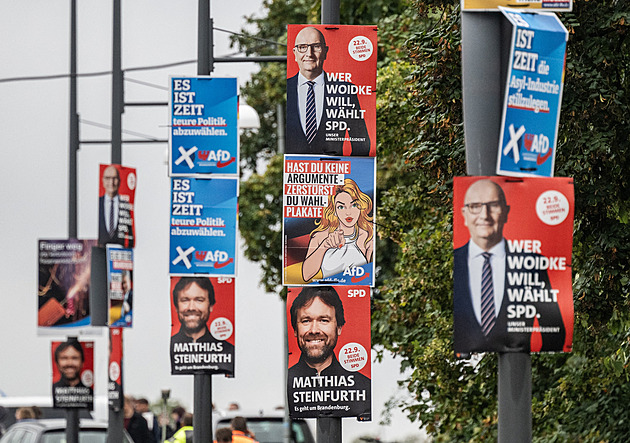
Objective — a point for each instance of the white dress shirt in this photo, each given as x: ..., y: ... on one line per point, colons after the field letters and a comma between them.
x: 318, y: 88
x: 475, y: 267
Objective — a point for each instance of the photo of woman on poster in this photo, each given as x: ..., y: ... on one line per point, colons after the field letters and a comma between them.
x: 344, y: 234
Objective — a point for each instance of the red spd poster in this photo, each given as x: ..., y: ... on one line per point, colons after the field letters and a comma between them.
x: 117, y: 190
x: 512, y: 242
x: 202, y: 325
x: 114, y: 373
x: 73, y: 374
x: 329, y: 352
x: 331, y: 90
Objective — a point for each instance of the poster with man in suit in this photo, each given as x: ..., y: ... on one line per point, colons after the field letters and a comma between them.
x: 117, y: 189
x: 331, y: 90
x: 512, y: 264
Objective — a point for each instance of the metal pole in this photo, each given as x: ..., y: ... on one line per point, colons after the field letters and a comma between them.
x: 202, y: 419
x: 72, y: 414
x: 330, y: 12
x: 204, y: 47
x: 74, y: 126
x: 72, y: 425
x: 515, y: 398
x: 329, y: 429
x: 117, y: 87
x: 116, y: 418
x: 485, y: 54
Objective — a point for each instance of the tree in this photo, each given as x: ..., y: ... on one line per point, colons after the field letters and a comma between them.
x: 580, y: 396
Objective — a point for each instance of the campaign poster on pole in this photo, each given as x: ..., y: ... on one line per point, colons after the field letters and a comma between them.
x: 120, y: 286
x: 117, y: 191
x: 63, y: 294
x: 512, y: 240
x: 114, y: 373
x: 202, y: 325
x: 328, y: 220
x: 73, y: 374
x: 533, y: 95
x: 329, y: 352
x: 331, y: 90
x: 204, y: 126
x: 203, y: 226
x: 493, y: 5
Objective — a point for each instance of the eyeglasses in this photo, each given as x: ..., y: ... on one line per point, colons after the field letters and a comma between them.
x: 317, y: 47
x: 493, y: 207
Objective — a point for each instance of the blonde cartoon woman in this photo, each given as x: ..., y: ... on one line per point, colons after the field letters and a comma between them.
x: 343, y: 237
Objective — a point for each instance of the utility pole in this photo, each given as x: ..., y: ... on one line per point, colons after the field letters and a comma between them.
x: 485, y: 54
x: 117, y: 416
x: 329, y: 429
x: 202, y: 392
x: 72, y: 414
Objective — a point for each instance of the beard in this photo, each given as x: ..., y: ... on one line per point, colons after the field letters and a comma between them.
x: 193, y: 325
x: 320, y: 354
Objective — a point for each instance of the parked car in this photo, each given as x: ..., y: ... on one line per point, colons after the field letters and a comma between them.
x: 8, y: 406
x: 268, y: 428
x: 54, y: 431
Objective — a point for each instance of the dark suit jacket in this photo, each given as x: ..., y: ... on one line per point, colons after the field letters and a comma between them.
x: 103, y: 235
x: 296, y: 139
x: 468, y: 336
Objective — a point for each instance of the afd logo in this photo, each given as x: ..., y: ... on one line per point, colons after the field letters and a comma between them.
x: 219, y: 258
x: 356, y: 273
x: 221, y: 157
x: 538, y: 144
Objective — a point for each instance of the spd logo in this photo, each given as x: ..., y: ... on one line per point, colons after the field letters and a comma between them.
x: 219, y: 258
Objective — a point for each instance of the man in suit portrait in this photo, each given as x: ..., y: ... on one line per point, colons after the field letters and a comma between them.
x: 485, y: 319
x: 108, y: 208
x: 312, y: 100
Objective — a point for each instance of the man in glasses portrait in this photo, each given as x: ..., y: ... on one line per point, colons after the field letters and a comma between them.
x: 485, y: 319
x: 313, y: 99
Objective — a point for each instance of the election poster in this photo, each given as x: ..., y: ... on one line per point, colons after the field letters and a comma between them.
x: 202, y: 325
x: 533, y: 95
x: 512, y: 240
x: 120, y: 286
x: 329, y: 352
x: 73, y: 374
x: 331, y: 90
x: 493, y: 5
x: 204, y: 126
x: 114, y: 373
x: 203, y: 226
x: 63, y: 294
x: 328, y: 220
x: 117, y: 190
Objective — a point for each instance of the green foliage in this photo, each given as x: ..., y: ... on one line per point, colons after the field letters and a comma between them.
x: 582, y: 396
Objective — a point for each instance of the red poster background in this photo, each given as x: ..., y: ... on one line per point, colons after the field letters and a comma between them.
x: 88, y: 363
x: 523, y: 223
x: 224, y: 289
x: 116, y: 352
x: 356, y: 307
x: 338, y: 60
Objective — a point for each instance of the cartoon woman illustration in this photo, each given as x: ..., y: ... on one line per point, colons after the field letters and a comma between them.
x: 344, y: 235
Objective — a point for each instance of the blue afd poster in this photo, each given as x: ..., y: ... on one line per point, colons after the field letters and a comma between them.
x: 203, y: 226
x: 533, y: 95
x: 204, y: 126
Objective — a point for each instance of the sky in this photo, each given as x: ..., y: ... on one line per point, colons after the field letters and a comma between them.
x: 35, y: 40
